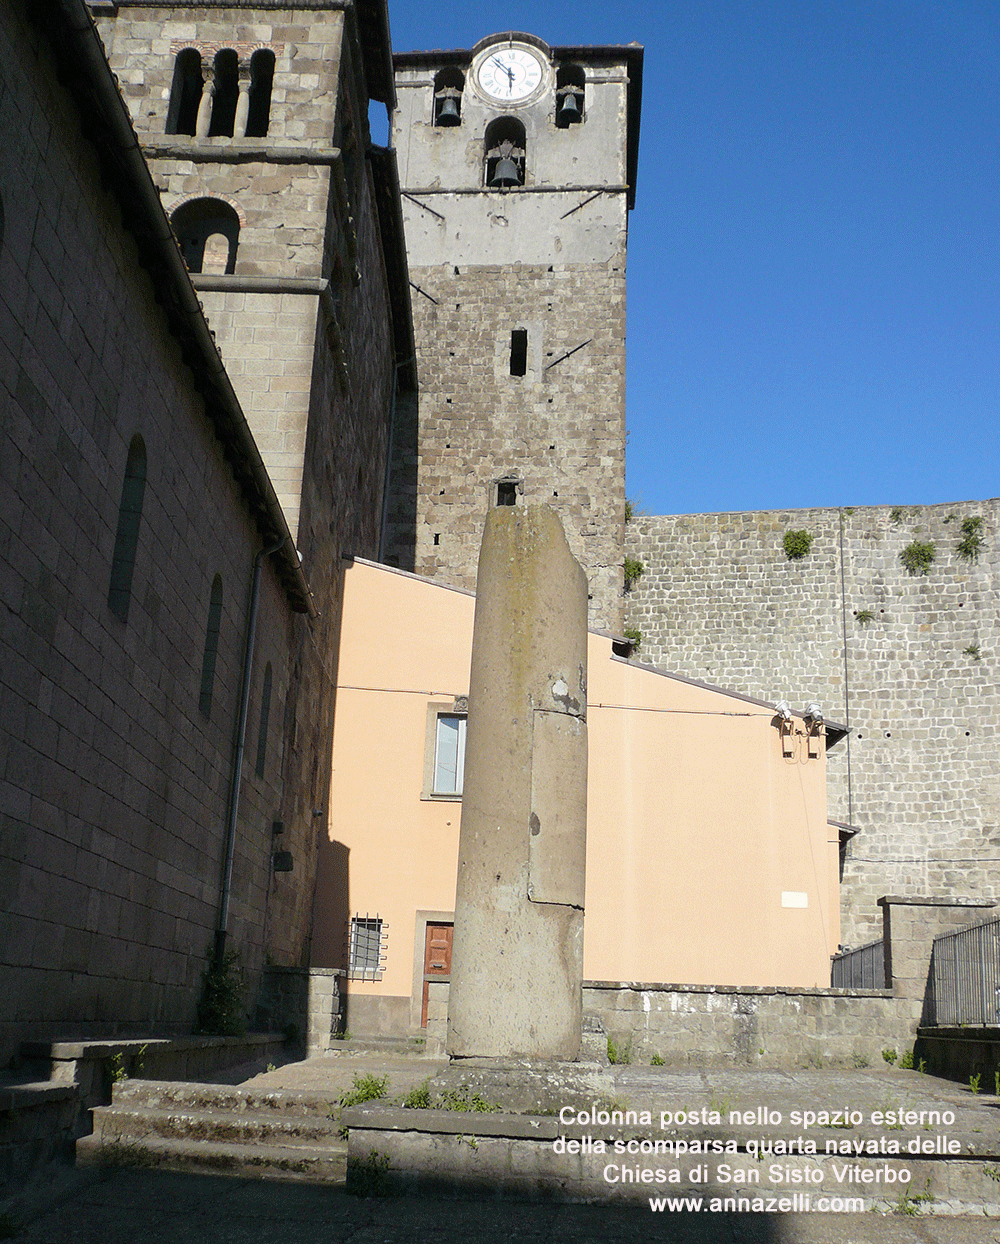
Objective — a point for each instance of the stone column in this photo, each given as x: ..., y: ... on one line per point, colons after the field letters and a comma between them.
x: 517, y: 963
x: 204, y: 122
x: 243, y: 103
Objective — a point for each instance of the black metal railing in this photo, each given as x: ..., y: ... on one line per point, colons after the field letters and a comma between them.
x: 965, y: 976
x: 861, y: 968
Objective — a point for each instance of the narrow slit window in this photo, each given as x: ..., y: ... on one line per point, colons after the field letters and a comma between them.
x: 265, y: 713
x: 211, y: 647
x: 127, y: 536
x: 519, y: 352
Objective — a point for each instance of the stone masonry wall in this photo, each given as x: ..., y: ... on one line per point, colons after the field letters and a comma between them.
x: 267, y: 339
x: 720, y: 601
x: 559, y: 428
x: 314, y: 371
x: 114, y: 782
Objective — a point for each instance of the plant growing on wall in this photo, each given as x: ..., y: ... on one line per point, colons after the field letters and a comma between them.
x: 972, y: 541
x: 797, y: 544
x: 973, y: 651
x: 634, y: 636
x: 917, y: 557
x: 865, y: 617
x: 634, y: 570
x: 222, y: 1008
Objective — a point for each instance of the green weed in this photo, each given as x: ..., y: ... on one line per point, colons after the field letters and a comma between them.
x: 462, y: 1099
x: 971, y: 543
x: 917, y: 557
x: 365, y: 1088
x: 619, y: 1055
x: 797, y: 544
x: 369, y: 1177
x: 418, y: 1098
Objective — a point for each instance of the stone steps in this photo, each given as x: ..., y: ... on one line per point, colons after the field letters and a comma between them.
x: 186, y: 1127
x: 537, y: 1158
x: 220, y: 1158
x: 405, y: 1046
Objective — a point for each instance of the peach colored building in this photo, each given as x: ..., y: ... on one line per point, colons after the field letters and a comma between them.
x: 709, y: 855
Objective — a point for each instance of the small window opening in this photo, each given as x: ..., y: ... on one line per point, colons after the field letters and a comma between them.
x: 265, y: 713
x: 504, y: 152
x: 185, y: 93
x: 448, y: 87
x: 127, y: 536
x: 519, y: 352
x: 261, y: 81
x: 365, y: 956
x: 227, y: 93
x: 507, y: 491
x: 208, y: 232
x: 449, y: 754
x: 437, y: 537
x: 211, y: 647
x: 569, y: 96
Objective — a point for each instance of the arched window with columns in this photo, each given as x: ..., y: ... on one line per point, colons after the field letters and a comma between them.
x: 208, y: 233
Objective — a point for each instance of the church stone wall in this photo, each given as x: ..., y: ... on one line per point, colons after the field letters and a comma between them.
x: 918, y: 776
x: 557, y: 428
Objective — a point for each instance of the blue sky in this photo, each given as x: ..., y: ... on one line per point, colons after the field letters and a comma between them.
x: 813, y: 256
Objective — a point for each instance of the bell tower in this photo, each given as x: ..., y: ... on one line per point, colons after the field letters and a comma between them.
x: 517, y: 167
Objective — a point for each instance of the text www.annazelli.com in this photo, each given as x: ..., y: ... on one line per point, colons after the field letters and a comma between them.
x: 801, y: 1203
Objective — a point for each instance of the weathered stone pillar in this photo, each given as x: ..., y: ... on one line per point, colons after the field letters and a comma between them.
x: 204, y: 121
x: 517, y: 964
x: 243, y: 102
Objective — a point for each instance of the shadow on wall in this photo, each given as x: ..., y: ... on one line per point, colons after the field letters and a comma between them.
x: 401, y: 538
x: 331, y: 915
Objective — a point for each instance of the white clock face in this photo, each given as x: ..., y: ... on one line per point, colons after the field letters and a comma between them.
x: 509, y: 74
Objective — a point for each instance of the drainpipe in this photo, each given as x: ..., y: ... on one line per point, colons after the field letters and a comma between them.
x: 240, y: 742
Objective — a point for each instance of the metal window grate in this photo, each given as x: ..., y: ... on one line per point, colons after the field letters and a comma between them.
x: 366, y: 956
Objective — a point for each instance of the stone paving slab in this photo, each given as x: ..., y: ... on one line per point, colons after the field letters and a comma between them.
x: 152, y: 1207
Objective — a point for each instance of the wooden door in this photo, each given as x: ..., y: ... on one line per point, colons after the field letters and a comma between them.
x: 437, y: 959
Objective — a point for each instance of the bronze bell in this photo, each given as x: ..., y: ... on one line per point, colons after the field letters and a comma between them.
x: 505, y: 173
x: 569, y: 109
x: 447, y: 113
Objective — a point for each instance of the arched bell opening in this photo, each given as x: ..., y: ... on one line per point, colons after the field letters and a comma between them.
x: 185, y: 93
x: 570, y: 94
x: 504, y: 153
x: 227, y: 93
x: 449, y: 85
x: 261, y: 80
x: 208, y: 233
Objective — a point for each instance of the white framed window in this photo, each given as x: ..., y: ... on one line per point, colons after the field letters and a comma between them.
x: 449, y: 754
x: 366, y: 957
